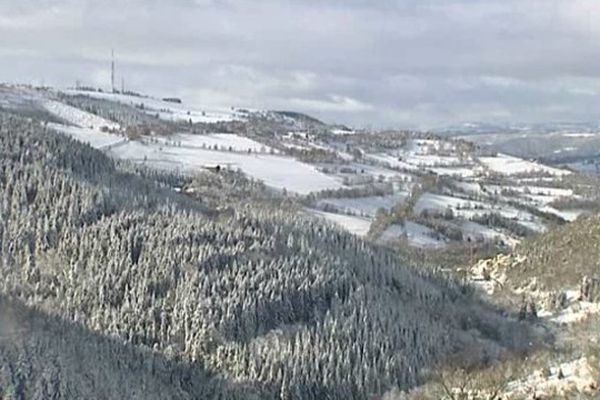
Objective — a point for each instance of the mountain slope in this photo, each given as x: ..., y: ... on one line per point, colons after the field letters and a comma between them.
x: 260, y: 296
x: 563, y: 256
x: 43, y: 357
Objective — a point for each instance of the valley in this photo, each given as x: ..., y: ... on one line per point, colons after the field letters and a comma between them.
x: 266, y: 254
x: 392, y: 186
x: 299, y: 200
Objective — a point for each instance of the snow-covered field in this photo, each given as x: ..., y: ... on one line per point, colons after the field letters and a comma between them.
x: 427, y: 155
x: 94, y: 138
x: 460, y: 172
x: 447, y: 170
x: 580, y: 135
x: 78, y: 117
x: 275, y: 171
x: 468, y: 209
x: 431, y: 160
x: 534, y: 196
x: 548, y: 194
x: 186, y: 152
x: 84, y: 126
x: 392, y: 162
x: 356, y: 225
x: 438, y: 202
x: 377, y: 172
x: 509, y: 165
x: 342, y: 132
x: 168, y: 110
x: 567, y: 215
x: 416, y: 234
x: 474, y: 231
x: 365, y: 206
x: 217, y: 141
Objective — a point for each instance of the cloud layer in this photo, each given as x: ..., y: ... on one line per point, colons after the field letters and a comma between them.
x: 412, y: 63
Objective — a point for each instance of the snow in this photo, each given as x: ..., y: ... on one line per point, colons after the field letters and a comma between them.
x: 431, y: 201
x: 426, y: 154
x: 551, y: 192
x: 417, y: 235
x: 85, y: 127
x: 469, y: 187
x: 528, y: 221
x: 356, y: 225
x: 424, y: 146
x: 470, y: 208
x: 577, y: 310
x: 566, y: 149
x: 579, y: 135
x: 533, y: 195
x: 509, y: 165
x: 366, y: 206
x: 431, y: 160
x: 344, y: 155
x: 78, y: 117
x: 475, y: 230
x: 392, y: 162
x: 96, y: 139
x: 295, y: 146
x: 342, y: 132
x: 380, y: 171
x: 567, y: 215
x: 170, y: 111
x: 223, y: 141
x: 455, y: 171
x: 275, y: 171
x: 185, y: 152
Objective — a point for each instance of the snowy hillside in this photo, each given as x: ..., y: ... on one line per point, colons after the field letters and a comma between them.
x: 279, y: 172
x: 168, y: 110
x: 508, y: 165
x: 78, y: 117
x: 94, y: 137
x: 124, y: 288
x: 447, y: 190
x: 217, y: 141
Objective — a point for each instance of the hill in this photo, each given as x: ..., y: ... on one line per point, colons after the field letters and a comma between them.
x: 398, y: 188
x: 564, y: 255
x: 44, y: 357
x: 562, y: 258
x: 553, y: 281
x: 260, y: 297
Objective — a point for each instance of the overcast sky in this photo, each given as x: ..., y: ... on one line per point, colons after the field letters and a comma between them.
x: 381, y: 63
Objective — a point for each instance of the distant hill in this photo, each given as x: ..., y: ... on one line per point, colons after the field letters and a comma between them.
x: 300, y: 118
x: 576, y: 144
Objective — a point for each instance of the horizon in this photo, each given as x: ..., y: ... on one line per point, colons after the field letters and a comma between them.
x: 395, y: 64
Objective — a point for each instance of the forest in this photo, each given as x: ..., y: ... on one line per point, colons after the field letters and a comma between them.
x: 115, y: 285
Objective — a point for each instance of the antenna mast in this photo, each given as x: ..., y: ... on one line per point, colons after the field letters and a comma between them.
x: 112, y: 71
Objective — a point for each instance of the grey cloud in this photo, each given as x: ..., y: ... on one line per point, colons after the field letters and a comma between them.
x: 382, y: 63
